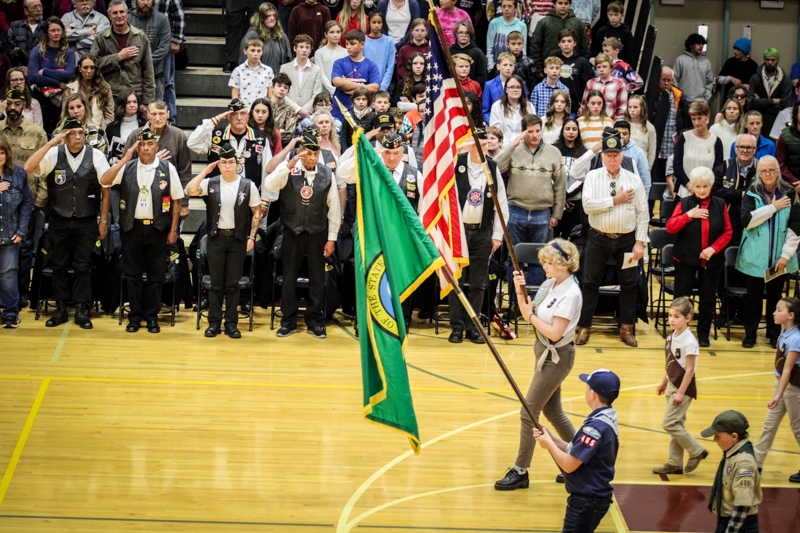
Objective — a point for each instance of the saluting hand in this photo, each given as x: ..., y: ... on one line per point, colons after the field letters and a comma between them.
x: 297, y: 158
x: 58, y: 139
x: 129, y: 153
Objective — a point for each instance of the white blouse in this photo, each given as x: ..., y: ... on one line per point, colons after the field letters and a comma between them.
x: 511, y: 124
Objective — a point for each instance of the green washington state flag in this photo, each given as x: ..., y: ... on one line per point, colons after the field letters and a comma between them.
x: 394, y: 255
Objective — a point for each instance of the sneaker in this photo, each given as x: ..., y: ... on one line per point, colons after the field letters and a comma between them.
x: 318, y: 332
x: 794, y: 478
x: 694, y: 462
x: 669, y: 469
x: 285, y: 332
x: 513, y: 480
x: 11, y: 321
x: 560, y: 478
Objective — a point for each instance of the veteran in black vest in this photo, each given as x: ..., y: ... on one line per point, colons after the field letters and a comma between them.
x: 149, y: 213
x: 253, y: 151
x: 233, y: 213
x: 74, y: 196
x: 385, y: 125
x: 704, y: 230
x: 483, y: 231
x: 732, y: 179
x: 311, y: 217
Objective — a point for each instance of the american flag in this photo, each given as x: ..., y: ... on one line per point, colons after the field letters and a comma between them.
x: 446, y: 127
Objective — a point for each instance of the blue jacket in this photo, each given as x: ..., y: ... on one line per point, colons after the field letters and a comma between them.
x: 638, y: 155
x: 383, y: 53
x: 414, y: 10
x: 492, y: 92
x: 16, y: 206
x: 761, y: 246
x: 765, y: 147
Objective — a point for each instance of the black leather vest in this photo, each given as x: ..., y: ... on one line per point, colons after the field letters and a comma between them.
x: 250, y: 158
x: 689, y: 244
x: 159, y: 196
x: 242, y: 214
x: 313, y: 216
x: 74, y: 193
x: 463, y: 186
x: 408, y: 184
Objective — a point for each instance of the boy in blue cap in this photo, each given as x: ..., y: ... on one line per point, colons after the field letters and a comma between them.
x: 739, y: 68
x: 588, y: 460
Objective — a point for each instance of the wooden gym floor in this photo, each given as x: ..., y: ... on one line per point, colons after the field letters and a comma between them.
x: 104, y: 430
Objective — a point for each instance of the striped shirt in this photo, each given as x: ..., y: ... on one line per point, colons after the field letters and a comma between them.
x: 592, y: 130
x: 614, y: 91
x: 609, y: 218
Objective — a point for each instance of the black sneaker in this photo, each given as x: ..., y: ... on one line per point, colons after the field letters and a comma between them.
x: 318, y: 332
x: 457, y: 336
x: 285, y: 332
x: 560, y: 478
x: 794, y: 478
x: 513, y: 480
x: 11, y: 321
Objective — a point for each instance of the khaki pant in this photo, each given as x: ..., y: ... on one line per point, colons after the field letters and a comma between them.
x: 674, y: 424
x: 544, y: 395
x: 790, y: 403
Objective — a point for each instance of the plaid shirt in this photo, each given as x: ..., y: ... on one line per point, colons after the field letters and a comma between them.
x: 738, y: 516
x: 615, y: 93
x: 541, y: 94
x: 20, y: 36
x: 668, y: 143
x: 174, y: 10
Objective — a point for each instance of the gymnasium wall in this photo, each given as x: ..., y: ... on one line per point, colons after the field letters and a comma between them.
x: 770, y: 28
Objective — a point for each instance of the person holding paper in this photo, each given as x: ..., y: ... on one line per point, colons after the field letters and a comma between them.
x: 771, y: 221
x: 554, y: 318
x: 704, y: 230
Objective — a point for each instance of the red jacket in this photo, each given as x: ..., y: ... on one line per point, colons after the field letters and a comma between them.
x: 471, y: 85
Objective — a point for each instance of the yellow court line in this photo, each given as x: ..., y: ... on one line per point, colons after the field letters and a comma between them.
x: 617, y: 517
x: 12, y: 465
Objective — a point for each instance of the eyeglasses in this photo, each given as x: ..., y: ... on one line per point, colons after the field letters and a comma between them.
x: 462, y: 33
x: 740, y: 96
x: 228, y: 163
x: 17, y: 80
x: 513, y: 88
x: 745, y: 148
x: 769, y: 172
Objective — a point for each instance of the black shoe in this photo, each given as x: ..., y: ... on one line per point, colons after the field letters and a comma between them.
x: 748, y: 343
x: 11, y: 321
x: 560, y: 478
x: 212, y: 330
x: 153, y: 327
x: 318, y: 332
x: 83, y: 316
x: 475, y: 337
x: 246, y: 306
x: 513, y: 481
x: 773, y: 342
x: 232, y: 332
x: 285, y: 332
x: 229, y: 67
x: 794, y: 478
x: 23, y: 301
x: 133, y: 327
x: 59, y: 317
x: 424, y: 314
x: 456, y: 336
x: 703, y: 342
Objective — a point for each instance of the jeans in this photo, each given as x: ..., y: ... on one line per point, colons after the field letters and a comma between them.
x: 169, y: 88
x: 584, y: 513
x: 9, y: 267
x: 531, y: 227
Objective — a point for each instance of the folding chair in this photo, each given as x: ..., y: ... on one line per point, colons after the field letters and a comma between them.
x: 526, y: 253
x: 659, y: 238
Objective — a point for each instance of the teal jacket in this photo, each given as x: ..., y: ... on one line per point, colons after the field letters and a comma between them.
x: 762, y: 245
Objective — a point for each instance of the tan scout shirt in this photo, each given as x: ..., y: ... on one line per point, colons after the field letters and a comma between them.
x: 741, y: 482
x: 26, y: 139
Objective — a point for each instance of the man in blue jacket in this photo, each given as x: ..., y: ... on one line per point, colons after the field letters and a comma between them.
x: 630, y: 149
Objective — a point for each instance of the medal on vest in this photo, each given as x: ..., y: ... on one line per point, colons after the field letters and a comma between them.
x: 306, y: 193
x: 144, y: 191
x: 475, y: 197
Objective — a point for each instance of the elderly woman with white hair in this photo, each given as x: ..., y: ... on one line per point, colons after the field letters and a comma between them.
x: 771, y: 222
x: 704, y: 230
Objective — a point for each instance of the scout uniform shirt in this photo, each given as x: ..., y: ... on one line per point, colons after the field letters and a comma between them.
x: 595, y: 444
x: 789, y: 341
x: 677, y: 348
x: 741, y: 482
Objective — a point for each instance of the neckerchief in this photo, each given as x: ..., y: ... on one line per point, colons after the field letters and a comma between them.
x: 716, y: 490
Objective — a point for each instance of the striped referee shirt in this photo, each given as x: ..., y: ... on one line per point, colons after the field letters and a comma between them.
x: 609, y: 218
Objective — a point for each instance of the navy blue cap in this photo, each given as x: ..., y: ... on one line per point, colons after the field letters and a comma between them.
x: 603, y: 382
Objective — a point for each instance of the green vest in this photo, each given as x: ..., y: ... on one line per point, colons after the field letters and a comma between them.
x: 753, y: 257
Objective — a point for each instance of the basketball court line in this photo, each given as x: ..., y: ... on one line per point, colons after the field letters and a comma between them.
x: 61, y: 341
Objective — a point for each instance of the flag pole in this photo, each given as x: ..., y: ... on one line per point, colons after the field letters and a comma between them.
x: 489, y: 180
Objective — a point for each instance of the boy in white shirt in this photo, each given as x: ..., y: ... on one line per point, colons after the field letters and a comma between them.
x: 306, y: 78
x: 679, y: 383
x: 253, y: 79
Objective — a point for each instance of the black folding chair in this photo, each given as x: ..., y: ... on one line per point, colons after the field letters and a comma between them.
x: 665, y: 210
x: 526, y: 253
x: 245, y: 283
x: 731, y: 253
x: 659, y: 238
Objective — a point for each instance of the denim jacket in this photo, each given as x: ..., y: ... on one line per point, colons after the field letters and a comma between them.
x: 16, y: 206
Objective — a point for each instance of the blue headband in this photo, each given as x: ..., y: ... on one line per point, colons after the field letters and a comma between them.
x: 555, y: 245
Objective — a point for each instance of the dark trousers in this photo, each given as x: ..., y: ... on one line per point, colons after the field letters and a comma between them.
x: 479, y: 244
x: 584, y: 512
x: 144, y: 250
x: 293, y: 250
x: 75, y: 236
x: 750, y: 524
x: 707, y: 286
x: 226, y: 255
x: 574, y: 217
x: 599, y: 250
x: 237, y: 21
x: 26, y: 257
x: 754, y: 304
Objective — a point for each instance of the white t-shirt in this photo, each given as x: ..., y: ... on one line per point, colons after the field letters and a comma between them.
x: 687, y: 344
x: 564, y: 300
x: 228, y: 191
x: 397, y: 20
x: 144, y: 178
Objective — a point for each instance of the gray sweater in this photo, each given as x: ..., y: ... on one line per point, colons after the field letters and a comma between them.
x: 693, y: 76
x: 534, y: 183
x: 158, y: 32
